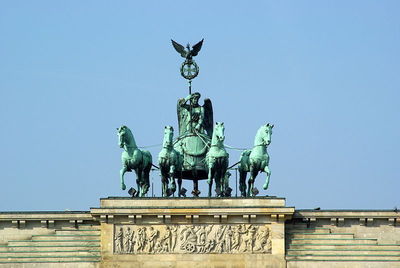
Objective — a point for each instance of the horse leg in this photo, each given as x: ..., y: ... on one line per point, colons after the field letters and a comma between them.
x: 163, y: 184
x: 179, y: 186
x: 242, y: 182
x: 195, y: 191
x: 211, y: 175
x: 138, y: 182
x: 172, y: 184
x: 211, y: 163
x: 121, y: 173
x: 268, y: 172
x: 146, y: 180
x: 224, y: 179
x: 218, y: 178
x: 253, y: 175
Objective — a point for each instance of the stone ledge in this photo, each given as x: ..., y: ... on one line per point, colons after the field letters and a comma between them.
x: 267, y: 201
x: 365, y: 217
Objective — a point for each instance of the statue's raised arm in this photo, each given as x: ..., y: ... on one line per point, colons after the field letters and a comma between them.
x: 194, y: 118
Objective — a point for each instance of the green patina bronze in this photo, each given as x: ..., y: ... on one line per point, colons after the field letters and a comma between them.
x: 255, y: 160
x: 170, y: 164
x: 134, y: 159
x: 189, y: 68
x: 195, y: 131
x: 217, y: 160
x: 198, y: 153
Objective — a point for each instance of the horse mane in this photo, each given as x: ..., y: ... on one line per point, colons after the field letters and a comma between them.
x: 258, y: 134
x: 131, y: 137
x: 214, y: 134
x: 166, y: 138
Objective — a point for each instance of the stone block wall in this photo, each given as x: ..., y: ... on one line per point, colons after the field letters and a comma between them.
x: 343, y: 238
x: 293, y: 238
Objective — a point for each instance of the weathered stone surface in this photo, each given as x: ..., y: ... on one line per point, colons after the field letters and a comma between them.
x: 197, y: 232
x: 302, y: 238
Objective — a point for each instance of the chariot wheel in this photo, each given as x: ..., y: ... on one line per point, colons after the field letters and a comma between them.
x: 190, y: 247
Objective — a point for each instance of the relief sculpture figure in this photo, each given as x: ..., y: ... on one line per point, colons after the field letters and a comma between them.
x: 192, y: 239
x: 141, y: 239
x: 219, y: 239
x: 174, y: 231
x: 166, y: 240
x: 249, y: 238
x: 189, y: 239
x: 129, y: 241
x: 152, y: 236
x: 119, y: 241
x: 264, y: 241
x: 228, y: 239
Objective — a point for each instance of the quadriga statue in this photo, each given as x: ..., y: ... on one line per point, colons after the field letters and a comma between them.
x: 170, y: 162
x: 217, y: 160
x: 255, y: 160
x: 134, y: 159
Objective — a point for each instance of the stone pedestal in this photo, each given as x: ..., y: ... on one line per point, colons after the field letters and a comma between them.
x: 193, y: 232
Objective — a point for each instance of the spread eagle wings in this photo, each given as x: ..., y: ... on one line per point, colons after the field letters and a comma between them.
x: 196, y: 48
x: 181, y: 49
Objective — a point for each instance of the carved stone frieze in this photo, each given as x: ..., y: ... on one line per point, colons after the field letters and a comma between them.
x: 192, y: 239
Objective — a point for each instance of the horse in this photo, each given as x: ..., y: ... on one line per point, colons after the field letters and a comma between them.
x: 170, y: 162
x: 134, y: 159
x: 255, y: 161
x: 217, y: 159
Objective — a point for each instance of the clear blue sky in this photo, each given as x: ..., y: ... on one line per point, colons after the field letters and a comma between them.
x: 326, y: 73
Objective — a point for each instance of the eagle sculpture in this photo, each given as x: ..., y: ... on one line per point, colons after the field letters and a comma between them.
x: 188, y: 53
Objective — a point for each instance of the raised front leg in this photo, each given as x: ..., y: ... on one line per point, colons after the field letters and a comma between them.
x: 268, y: 172
x: 122, y: 173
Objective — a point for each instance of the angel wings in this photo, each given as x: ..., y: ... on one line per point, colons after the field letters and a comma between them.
x: 189, y: 53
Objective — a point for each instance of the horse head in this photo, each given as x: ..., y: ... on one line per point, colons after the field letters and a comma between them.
x: 168, y: 136
x: 218, y: 133
x: 264, y: 134
x: 125, y: 137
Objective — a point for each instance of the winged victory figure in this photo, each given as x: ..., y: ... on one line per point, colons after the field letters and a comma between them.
x: 192, y: 117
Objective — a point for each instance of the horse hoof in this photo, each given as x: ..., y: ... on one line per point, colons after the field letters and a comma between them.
x: 123, y: 186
